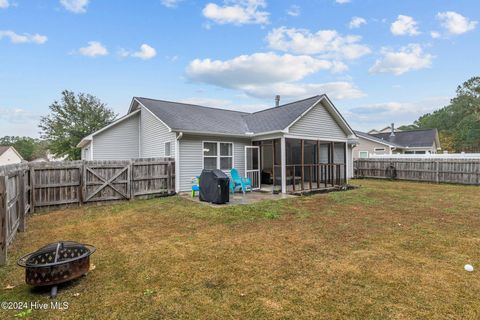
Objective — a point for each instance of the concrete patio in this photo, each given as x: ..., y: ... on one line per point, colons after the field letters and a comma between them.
x: 239, y: 198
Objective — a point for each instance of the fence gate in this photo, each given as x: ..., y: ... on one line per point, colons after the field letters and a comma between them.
x: 106, y: 181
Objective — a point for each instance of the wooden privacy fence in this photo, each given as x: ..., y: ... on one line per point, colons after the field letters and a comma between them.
x: 28, y: 186
x: 461, y: 171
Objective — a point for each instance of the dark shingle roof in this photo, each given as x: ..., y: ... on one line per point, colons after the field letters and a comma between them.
x: 3, y: 149
x: 278, y: 118
x: 372, y: 137
x: 188, y: 117
x: 411, y: 138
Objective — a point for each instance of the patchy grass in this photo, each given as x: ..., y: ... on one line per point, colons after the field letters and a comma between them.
x: 388, y: 250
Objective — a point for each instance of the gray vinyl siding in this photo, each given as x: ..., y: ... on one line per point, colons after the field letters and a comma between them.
x: 370, y: 146
x: 319, y: 123
x: 119, y: 142
x: 191, y: 157
x: 154, y: 134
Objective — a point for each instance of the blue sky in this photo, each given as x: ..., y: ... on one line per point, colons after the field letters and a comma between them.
x: 380, y: 61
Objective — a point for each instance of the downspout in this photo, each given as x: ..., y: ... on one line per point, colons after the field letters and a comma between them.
x: 177, y: 161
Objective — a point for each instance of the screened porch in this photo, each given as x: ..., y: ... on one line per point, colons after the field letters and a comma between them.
x: 310, y: 165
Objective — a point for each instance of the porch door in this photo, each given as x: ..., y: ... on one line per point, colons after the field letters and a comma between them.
x: 252, y: 165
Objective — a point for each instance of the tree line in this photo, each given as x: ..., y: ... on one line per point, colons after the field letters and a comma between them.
x: 459, y: 122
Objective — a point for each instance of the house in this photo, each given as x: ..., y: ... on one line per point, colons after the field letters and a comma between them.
x: 299, y: 146
x: 8, y: 155
x: 419, y: 141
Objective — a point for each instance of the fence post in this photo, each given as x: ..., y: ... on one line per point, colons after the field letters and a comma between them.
x: 32, y: 190
x: 3, y: 220
x: 437, y: 177
x: 169, y: 177
x: 129, y: 180
x: 81, y: 169
x: 21, y: 199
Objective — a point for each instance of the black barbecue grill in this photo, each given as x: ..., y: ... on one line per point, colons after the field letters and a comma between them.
x: 56, y: 263
x: 214, y: 186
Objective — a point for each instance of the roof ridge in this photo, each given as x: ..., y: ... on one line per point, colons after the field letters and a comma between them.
x: 286, y: 104
x: 193, y: 105
x: 411, y: 130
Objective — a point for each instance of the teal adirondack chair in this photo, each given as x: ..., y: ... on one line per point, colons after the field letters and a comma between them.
x: 238, y: 181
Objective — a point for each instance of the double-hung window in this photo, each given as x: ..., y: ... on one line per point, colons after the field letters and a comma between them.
x: 218, y: 155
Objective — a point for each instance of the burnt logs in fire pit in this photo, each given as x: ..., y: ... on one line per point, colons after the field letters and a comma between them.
x: 56, y: 263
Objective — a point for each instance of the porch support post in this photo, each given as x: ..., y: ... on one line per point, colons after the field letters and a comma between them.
x: 283, y: 156
x: 345, y: 163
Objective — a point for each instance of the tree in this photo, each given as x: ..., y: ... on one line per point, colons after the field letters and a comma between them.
x: 29, y: 148
x: 459, y: 122
x: 71, y: 119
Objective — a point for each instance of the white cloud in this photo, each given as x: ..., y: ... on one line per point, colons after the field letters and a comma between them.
x: 357, y: 22
x: 265, y: 74
x: 404, y: 25
x: 237, y: 12
x: 435, y: 34
x: 170, y: 3
x: 342, y: 1
x: 18, y: 122
x: 407, y: 59
x: 4, y: 4
x: 258, y: 68
x: 327, y: 42
x: 294, y: 11
x: 146, y: 52
x: 93, y: 49
x: 75, y: 6
x: 23, y: 38
x: 336, y: 90
x: 455, y: 23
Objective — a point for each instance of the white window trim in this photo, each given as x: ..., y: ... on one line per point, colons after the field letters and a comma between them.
x: 360, y: 152
x: 165, y: 149
x: 218, y: 156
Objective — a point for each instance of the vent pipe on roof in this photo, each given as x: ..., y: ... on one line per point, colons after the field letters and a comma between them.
x: 277, y: 100
x: 392, y: 134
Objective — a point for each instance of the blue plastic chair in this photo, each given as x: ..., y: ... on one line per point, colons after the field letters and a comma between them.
x: 238, y: 181
x: 196, y: 187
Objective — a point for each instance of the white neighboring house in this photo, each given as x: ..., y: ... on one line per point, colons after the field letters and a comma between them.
x: 265, y: 145
x: 8, y: 155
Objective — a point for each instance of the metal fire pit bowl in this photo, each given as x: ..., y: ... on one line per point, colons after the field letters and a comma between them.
x: 56, y: 263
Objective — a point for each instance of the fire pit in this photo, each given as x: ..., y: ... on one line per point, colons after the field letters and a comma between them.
x: 56, y: 263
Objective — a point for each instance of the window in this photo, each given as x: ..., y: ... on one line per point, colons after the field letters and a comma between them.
x: 85, y: 154
x: 168, y: 151
x: 379, y: 149
x: 363, y: 154
x: 218, y: 155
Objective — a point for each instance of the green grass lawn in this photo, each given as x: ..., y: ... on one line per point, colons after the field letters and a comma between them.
x: 387, y: 250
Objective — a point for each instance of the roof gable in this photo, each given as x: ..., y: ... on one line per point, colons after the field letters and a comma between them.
x: 199, y: 119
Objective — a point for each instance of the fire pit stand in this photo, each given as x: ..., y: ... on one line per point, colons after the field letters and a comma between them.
x: 56, y: 263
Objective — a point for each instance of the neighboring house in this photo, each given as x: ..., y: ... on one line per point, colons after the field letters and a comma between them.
x: 8, y: 155
x: 421, y: 141
x: 266, y: 145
